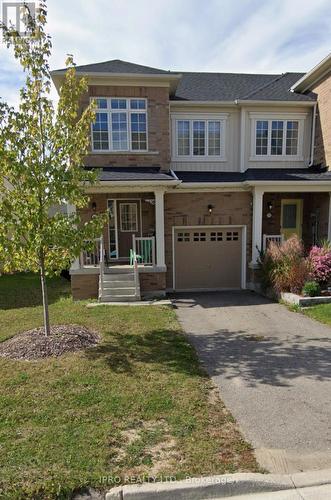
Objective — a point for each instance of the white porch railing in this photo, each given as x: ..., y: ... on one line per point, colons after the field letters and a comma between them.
x: 144, y: 249
x: 275, y: 238
x: 91, y: 257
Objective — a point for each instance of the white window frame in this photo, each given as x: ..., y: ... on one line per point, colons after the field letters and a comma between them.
x: 128, y: 112
x: 192, y: 117
x: 136, y: 216
x: 284, y: 117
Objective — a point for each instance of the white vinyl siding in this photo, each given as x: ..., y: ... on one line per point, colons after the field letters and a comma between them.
x: 277, y: 138
x: 199, y: 138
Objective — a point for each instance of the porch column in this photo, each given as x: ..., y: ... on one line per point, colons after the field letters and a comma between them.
x: 71, y: 210
x: 329, y: 227
x: 257, y: 224
x: 159, y: 227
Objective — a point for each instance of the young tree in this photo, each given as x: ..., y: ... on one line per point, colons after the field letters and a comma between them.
x: 41, y: 158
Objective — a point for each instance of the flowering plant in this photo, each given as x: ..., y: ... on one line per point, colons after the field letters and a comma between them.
x: 320, y: 263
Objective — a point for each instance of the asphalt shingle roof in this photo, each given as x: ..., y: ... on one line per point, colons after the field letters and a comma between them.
x: 257, y: 174
x: 118, y: 66
x: 232, y: 86
x: 133, y: 174
x: 197, y: 86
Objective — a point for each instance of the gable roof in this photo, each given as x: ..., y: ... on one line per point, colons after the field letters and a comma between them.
x: 119, y: 66
x: 198, y: 86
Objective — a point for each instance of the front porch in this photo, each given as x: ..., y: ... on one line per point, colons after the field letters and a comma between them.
x: 280, y: 213
x: 134, y: 235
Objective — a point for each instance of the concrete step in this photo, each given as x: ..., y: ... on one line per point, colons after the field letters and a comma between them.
x: 110, y: 285
x: 112, y: 292
x: 119, y: 270
x: 118, y: 277
x: 119, y: 298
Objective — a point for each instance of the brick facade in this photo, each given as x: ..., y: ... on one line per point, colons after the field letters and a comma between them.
x: 101, y: 200
x: 157, y: 123
x: 314, y: 205
x: 84, y: 286
x: 152, y: 282
x: 190, y: 209
x: 322, y: 152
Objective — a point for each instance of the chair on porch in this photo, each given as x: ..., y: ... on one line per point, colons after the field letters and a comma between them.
x: 133, y: 255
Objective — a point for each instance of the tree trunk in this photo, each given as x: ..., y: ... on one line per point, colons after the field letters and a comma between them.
x: 45, y: 296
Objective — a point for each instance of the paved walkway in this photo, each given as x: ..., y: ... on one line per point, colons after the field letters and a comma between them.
x: 273, y: 369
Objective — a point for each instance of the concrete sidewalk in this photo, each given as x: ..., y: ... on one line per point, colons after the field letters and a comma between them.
x: 243, y: 486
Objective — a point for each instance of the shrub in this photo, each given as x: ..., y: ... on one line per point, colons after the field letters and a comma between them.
x: 320, y: 263
x: 285, y: 265
x: 311, y: 289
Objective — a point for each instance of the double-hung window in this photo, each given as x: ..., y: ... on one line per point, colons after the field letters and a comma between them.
x: 120, y: 125
x: 199, y: 138
x: 277, y: 138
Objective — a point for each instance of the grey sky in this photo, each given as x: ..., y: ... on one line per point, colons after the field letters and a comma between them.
x: 269, y: 36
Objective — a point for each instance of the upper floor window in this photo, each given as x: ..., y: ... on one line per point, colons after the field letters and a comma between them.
x: 278, y: 138
x: 200, y: 138
x: 120, y: 125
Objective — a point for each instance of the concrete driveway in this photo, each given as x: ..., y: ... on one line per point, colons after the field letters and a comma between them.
x: 273, y: 369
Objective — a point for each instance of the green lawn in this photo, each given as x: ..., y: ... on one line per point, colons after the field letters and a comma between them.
x: 136, y: 404
x: 321, y: 312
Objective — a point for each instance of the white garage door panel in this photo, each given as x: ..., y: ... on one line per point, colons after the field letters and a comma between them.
x: 208, y: 258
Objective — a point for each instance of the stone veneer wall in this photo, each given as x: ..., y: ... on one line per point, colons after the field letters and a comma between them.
x: 190, y: 209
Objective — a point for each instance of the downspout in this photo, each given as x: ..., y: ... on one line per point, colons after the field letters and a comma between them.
x: 313, y: 136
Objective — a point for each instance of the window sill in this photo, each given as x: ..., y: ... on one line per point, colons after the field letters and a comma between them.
x: 276, y: 158
x: 124, y: 153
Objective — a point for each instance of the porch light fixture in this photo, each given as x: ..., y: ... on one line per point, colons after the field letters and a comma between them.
x: 94, y: 206
x: 210, y: 209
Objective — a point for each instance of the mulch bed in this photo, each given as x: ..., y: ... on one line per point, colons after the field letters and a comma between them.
x: 33, y: 344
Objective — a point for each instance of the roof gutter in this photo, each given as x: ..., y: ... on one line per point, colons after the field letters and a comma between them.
x: 239, y: 102
x: 312, y: 76
x: 286, y: 183
x: 134, y: 183
x: 274, y: 103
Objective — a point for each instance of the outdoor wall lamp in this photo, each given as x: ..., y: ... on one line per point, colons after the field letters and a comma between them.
x: 94, y: 206
x: 269, y: 209
x: 210, y: 209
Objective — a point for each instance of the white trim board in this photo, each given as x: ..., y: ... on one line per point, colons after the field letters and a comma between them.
x: 243, y: 228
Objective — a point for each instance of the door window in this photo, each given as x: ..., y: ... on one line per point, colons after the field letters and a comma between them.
x: 112, y: 229
x: 289, y: 216
x: 129, y: 217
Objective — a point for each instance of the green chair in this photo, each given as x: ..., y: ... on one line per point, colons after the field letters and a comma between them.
x: 134, y: 256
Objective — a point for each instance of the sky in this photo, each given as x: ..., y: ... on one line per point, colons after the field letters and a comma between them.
x: 250, y: 36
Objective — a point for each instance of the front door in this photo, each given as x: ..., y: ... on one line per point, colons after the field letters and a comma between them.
x: 128, y: 224
x: 291, y: 218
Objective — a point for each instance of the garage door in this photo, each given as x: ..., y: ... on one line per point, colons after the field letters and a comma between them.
x: 208, y: 258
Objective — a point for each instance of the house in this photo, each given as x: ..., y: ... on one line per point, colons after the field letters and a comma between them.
x: 198, y: 172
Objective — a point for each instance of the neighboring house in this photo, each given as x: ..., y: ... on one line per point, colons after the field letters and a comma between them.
x: 199, y: 171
